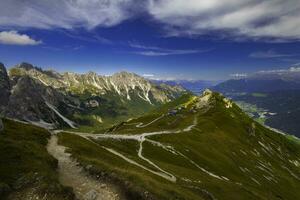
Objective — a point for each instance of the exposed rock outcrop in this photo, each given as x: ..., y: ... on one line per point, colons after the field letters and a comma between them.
x: 4, y: 88
x: 1, y: 125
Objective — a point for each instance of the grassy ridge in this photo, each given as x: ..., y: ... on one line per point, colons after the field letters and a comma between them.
x: 138, y: 184
x: 26, y: 168
x: 240, y: 159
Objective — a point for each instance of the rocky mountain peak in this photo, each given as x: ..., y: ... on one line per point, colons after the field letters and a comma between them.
x: 91, y: 73
x: 2, y: 66
x: 26, y: 66
x: 209, y: 99
x: 125, y: 74
x: 64, y: 95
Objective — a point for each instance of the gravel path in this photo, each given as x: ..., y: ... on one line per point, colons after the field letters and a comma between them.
x: 71, y: 174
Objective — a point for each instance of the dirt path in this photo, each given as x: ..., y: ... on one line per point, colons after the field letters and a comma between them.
x: 140, y: 138
x: 71, y: 174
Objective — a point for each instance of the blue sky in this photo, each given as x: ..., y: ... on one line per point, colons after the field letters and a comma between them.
x: 165, y: 39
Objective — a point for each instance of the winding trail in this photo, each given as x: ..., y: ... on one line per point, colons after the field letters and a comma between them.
x: 140, y: 125
x: 71, y: 174
x: 141, y: 138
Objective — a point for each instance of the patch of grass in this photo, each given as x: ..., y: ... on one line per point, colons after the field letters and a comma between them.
x: 133, y: 179
x: 26, y: 165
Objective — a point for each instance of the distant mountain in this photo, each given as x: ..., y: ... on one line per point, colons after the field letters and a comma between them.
x: 195, y: 86
x: 263, y: 81
x: 279, y: 109
x: 271, y: 97
x: 194, y: 148
x: 255, y: 85
x: 68, y: 99
x: 292, y: 74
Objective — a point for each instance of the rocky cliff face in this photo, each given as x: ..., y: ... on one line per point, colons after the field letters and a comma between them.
x: 32, y: 101
x: 4, y: 87
x: 1, y: 125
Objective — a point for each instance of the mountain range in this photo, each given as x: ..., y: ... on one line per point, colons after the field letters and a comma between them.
x: 53, y: 99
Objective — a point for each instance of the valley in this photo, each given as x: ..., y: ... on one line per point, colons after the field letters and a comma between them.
x: 271, y: 101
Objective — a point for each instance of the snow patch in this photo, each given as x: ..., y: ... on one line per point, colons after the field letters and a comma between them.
x: 43, y: 124
x: 69, y: 122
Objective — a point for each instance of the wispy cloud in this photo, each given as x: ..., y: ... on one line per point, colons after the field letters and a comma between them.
x: 15, y: 38
x: 148, y: 75
x: 296, y: 64
x: 280, y: 71
x: 250, y: 18
x: 276, y: 19
x: 167, y: 53
x: 290, y: 72
x: 88, y: 37
x: 77, y: 47
x: 66, y: 14
x: 270, y: 54
x: 239, y: 75
x: 159, y: 51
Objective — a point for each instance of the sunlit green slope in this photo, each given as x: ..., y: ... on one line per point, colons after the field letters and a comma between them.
x: 193, y: 148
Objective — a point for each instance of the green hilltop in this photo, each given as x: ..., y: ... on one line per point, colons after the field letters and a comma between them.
x: 196, y: 147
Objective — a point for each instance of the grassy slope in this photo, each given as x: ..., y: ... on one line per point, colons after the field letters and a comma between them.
x: 26, y: 168
x: 224, y: 142
x: 113, y: 109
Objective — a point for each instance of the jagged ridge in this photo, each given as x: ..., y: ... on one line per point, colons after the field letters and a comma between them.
x: 65, y: 99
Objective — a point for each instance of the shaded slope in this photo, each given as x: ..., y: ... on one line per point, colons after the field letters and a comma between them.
x: 27, y: 171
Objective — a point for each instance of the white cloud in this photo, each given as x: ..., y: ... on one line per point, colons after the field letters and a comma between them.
x: 148, y: 75
x: 239, y: 75
x: 270, y: 54
x: 250, y: 18
x: 294, y: 69
x: 15, y: 38
x: 278, y: 19
x: 159, y: 51
x: 291, y: 70
x: 65, y: 13
x: 166, y: 53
